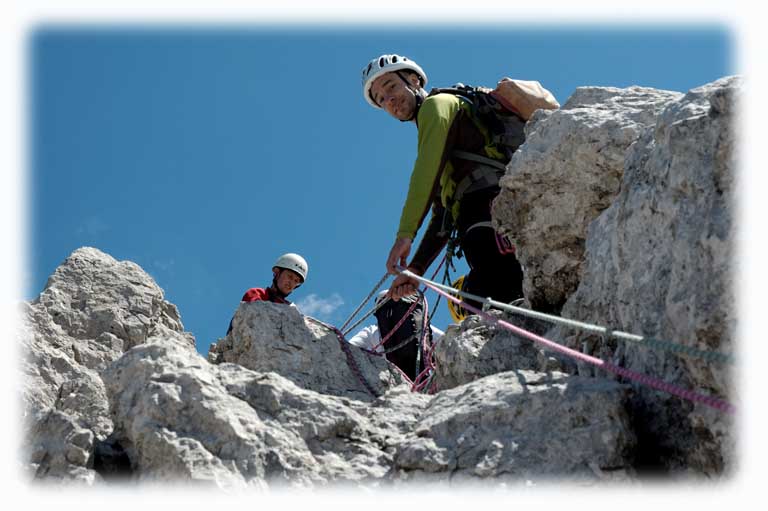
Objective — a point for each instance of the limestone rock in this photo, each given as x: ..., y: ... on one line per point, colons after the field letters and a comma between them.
x: 60, y: 450
x: 92, y: 309
x: 566, y: 173
x: 182, y: 418
x: 91, y: 294
x: 478, y: 347
x: 522, y: 426
x: 273, y: 337
x: 659, y: 263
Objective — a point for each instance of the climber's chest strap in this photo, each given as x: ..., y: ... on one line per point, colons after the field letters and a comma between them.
x: 486, y: 174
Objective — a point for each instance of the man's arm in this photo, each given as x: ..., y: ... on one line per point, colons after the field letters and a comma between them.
x: 432, y: 243
x: 435, y: 119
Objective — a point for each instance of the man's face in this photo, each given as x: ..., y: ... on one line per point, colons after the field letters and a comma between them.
x: 287, y: 280
x: 390, y: 93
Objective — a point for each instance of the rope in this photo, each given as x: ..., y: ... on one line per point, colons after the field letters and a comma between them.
x: 417, y: 385
x: 430, y: 366
x: 367, y: 314
x: 402, y: 320
x: 376, y: 288
x: 350, y: 358
x: 437, y: 303
x: 651, y: 342
x: 713, y: 402
x: 346, y: 330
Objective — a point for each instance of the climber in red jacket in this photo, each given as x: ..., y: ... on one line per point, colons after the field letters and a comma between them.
x: 289, y: 272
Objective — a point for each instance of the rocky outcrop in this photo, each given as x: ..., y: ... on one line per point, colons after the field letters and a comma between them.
x: 92, y: 309
x: 161, y: 412
x: 479, y: 347
x: 568, y: 171
x: 649, y: 251
x: 659, y: 262
x: 272, y: 337
x: 521, y: 427
x: 181, y: 418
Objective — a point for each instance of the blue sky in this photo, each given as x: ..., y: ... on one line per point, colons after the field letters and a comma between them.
x: 203, y: 154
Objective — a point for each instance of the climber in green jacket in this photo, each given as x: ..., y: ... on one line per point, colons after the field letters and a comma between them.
x: 456, y: 174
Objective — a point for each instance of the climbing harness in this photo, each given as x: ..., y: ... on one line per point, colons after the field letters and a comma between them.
x: 713, y: 402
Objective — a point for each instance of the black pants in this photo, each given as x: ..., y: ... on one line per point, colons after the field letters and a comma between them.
x: 492, y: 273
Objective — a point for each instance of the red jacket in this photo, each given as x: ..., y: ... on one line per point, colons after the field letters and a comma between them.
x: 258, y: 294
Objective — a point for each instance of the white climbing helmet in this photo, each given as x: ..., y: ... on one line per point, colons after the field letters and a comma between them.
x: 293, y: 262
x: 385, y: 64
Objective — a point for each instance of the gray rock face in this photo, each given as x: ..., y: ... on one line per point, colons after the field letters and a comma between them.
x: 181, y: 418
x: 273, y: 337
x: 91, y: 294
x: 566, y: 173
x: 658, y: 263
x: 478, y: 347
x: 92, y: 308
x: 176, y: 417
x: 61, y: 449
x: 522, y: 426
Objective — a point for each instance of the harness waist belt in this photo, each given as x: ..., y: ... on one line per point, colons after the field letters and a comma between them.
x: 479, y: 224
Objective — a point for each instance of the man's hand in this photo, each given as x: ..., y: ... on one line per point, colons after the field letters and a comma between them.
x: 398, y: 254
x: 403, y: 286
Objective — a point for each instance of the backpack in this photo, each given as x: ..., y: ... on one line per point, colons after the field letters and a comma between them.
x: 503, y: 111
x: 523, y: 97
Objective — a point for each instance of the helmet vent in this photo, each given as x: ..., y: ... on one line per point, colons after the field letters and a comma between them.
x: 381, y: 62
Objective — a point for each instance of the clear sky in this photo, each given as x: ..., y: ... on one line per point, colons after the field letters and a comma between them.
x: 204, y: 154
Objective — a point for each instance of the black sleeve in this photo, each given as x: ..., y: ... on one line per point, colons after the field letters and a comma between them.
x: 435, y: 238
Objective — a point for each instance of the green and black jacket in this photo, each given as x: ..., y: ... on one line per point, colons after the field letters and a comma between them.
x: 445, y: 123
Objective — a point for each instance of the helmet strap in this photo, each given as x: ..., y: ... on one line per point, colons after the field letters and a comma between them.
x: 417, y: 94
x: 275, y: 287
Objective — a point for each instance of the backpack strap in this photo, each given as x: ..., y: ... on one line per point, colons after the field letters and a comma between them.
x: 464, y: 155
x: 486, y: 174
